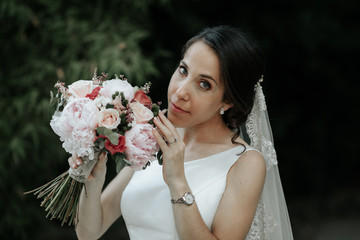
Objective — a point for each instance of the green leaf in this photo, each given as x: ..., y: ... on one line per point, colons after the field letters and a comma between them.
x: 119, y: 166
x: 115, y: 95
x: 146, y: 165
x: 54, y: 101
x: 109, y: 106
x: 159, y: 157
x: 101, y: 143
x: 112, y: 136
x: 124, y: 101
x: 155, y: 109
x: 119, y: 161
x: 103, y: 131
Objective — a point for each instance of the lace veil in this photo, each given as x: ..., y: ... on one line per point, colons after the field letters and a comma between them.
x: 271, y: 220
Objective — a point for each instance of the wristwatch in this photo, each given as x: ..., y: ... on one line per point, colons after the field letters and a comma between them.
x: 186, y: 199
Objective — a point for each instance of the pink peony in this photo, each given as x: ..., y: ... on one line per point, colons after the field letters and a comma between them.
x: 81, y: 143
x: 81, y: 113
x: 117, y: 85
x: 141, y: 113
x: 81, y: 88
x: 76, y: 126
x: 61, y: 126
x: 141, y: 145
x: 109, y: 118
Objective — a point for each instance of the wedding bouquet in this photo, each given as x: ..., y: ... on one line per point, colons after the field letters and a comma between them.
x: 93, y: 116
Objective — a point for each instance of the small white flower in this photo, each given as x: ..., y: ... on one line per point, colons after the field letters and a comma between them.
x: 102, y: 101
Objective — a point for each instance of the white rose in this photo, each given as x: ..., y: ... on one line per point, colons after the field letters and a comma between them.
x: 117, y: 85
x: 109, y: 118
x: 141, y: 113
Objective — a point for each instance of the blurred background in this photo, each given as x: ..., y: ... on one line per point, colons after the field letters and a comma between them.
x: 311, y: 86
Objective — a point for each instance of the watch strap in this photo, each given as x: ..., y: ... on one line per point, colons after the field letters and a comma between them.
x: 183, y: 200
x: 180, y: 200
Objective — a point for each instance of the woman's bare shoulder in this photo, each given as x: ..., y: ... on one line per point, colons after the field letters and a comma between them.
x: 250, y: 156
x: 249, y: 166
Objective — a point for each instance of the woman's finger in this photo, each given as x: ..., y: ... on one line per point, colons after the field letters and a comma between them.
x: 165, y: 134
x: 77, y: 159
x: 166, y: 129
x: 74, y: 161
x: 102, y: 158
x: 162, y: 129
x: 160, y: 140
x: 167, y: 122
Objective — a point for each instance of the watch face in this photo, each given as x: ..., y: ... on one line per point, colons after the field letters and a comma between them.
x: 189, y: 198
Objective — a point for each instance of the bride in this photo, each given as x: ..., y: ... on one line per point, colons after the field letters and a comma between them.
x: 212, y: 184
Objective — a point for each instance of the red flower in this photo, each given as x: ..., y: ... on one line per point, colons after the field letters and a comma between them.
x: 142, y: 98
x: 94, y: 93
x: 114, y: 148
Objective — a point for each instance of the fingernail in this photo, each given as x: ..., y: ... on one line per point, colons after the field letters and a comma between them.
x: 164, y: 111
x: 78, y: 162
x: 73, y: 165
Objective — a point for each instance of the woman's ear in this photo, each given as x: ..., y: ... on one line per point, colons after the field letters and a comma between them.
x: 227, y: 106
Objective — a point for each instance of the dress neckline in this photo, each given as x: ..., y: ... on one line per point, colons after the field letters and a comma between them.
x: 217, y: 154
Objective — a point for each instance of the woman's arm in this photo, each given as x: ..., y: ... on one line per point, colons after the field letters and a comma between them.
x: 97, y: 211
x: 237, y: 207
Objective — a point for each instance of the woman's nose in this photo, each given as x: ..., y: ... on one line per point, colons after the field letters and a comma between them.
x: 183, y: 89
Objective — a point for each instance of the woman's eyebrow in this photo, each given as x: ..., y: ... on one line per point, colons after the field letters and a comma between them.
x: 201, y: 75
x: 184, y: 63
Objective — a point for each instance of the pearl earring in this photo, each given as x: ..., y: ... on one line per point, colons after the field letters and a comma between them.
x: 222, y: 110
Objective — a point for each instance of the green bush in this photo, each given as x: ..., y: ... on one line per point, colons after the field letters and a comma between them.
x: 44, y: 41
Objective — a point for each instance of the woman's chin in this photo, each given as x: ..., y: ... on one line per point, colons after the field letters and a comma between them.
x: 174, y: 120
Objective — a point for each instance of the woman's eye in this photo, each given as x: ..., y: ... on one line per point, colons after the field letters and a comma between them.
x: 183, y: 70
x: 205, y: 85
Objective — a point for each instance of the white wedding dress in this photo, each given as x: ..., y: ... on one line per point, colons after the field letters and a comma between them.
x: 146, y: 205
x: 147, y: 209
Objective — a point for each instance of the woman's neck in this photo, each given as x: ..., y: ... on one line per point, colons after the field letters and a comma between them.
x: 205, y: 140
x: 214, y: 133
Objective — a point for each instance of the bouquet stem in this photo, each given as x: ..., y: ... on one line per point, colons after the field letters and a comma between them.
x: 61, y: 195
x: 60, y: 198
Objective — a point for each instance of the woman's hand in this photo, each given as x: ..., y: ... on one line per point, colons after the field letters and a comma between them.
x: 173, y: 148
x: 99, y: 171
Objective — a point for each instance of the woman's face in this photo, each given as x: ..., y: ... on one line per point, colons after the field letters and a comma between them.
x: 195, y: 92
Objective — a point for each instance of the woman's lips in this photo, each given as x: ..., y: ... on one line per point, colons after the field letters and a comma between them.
x: 177, y: 109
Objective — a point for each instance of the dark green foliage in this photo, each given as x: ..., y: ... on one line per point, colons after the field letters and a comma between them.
x: 120, y: 161
x: 43, y: 41
x: 159, y: 157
